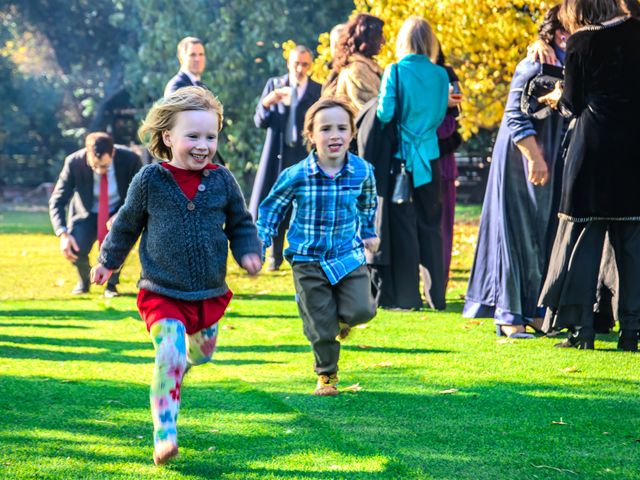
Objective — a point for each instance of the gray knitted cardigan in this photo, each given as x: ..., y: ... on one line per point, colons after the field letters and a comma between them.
x: 184, y: 244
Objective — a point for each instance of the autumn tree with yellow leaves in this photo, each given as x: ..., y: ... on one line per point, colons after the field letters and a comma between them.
x: 483, y: 40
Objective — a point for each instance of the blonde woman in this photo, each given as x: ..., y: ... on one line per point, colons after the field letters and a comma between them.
x: 414, y: 91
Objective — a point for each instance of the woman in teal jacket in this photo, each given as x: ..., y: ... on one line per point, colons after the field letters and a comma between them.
x: 419, y: 88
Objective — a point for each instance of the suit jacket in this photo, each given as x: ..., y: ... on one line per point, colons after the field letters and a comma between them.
x: 180, y: 80
x: 75, y: 185
x: 276, y: 155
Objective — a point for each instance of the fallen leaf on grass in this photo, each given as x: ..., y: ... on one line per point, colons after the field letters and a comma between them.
x: 573, y: 369
x: 449, y: 391
x: 140, y: 436
x: 383, y: 365
x: 475, y: 322
x: 214, y: 430
x: 68, y: 381
x: 60, y: 282
x: 606, y: 433
x: 115, y: 401
x: 264, y: 292
x: 228, y: 327
x: 364, y: 347
x: 559, y: 422
x: 211, y: 448
x: 362, y: 326
x: 352, y: 388
x: 507, y: 340
x: 462, y: 296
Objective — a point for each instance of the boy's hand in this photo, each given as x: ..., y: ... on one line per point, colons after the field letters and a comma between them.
x: 100, y: 274
x: 372, y: 244
x: 251, y: 263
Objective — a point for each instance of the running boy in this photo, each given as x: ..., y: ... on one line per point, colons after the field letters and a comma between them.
x: 334, y: 198
x: 188, y: 212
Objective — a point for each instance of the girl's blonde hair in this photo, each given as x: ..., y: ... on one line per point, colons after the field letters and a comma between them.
x: 162, y: 116
x: 323, y: 104
x: 416, y: 36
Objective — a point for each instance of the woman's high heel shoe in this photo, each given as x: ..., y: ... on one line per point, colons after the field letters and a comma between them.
x: 628, y: 341
x: 501, y: 333
x: 583, y: 339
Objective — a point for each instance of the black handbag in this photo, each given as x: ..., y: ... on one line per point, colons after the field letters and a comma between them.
x: 537, y: 86
x: 402, y: 184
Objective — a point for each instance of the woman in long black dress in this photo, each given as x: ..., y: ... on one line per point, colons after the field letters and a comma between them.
x: 517, y: 225
x: 600, y: 191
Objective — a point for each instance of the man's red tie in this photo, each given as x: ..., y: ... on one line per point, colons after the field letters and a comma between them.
x: 103, y: 208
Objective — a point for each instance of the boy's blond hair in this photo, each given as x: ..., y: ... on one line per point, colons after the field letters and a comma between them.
x: 416, y: 36
x: 323, y: 104
x: 162, y: 116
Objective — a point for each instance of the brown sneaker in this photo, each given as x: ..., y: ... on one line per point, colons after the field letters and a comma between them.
x: 164, y: 451
x: 327, y: 386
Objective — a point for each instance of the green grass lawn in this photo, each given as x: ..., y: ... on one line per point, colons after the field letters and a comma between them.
x: 75, y: 372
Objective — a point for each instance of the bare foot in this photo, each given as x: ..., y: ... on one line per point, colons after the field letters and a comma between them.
x: 536, y: 324
x: 509, y: 330
x: 164, y: 451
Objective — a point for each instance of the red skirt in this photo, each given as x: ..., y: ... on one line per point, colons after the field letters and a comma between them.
x: 194, y: 315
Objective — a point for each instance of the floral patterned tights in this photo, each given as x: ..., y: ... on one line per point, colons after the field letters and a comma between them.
x: 176, y: 352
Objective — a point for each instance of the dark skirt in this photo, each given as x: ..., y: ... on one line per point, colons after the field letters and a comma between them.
x: 580, y: 261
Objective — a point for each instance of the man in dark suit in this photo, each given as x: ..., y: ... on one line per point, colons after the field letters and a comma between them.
x: 94, y: 181
x: 281, y: 110
x: 192, y: 62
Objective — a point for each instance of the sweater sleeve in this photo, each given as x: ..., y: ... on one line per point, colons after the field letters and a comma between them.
x: 520, y: 125
x: 573, y: 99
x: 387, y: 98
x: 239, y: 226
x: 129, y: 223
x: 262, y: 117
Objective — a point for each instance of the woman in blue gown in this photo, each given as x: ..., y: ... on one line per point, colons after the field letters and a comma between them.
x: 518, y: 218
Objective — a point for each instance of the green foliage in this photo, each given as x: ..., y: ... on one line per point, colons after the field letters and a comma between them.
x: 243, y: 44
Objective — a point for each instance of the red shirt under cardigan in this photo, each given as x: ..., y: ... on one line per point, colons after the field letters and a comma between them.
x: 196, y: 315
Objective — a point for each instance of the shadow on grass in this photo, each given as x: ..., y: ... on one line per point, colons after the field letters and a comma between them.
x: 110, y: 351
x: 265, y: 297
x: 38, y: 324
x: 307, y: 348
x: 477, y: 433
x: 68, y: 314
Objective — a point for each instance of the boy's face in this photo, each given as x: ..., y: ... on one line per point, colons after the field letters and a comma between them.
x: 331, y: 134
x: 193, y: 58
x: 193, y: 140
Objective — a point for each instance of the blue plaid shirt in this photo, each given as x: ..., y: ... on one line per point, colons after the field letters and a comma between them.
x: 330, y: 216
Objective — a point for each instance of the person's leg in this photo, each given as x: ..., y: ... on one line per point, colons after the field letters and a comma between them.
x: 570, y: 287
x: 400, y: 280
x: 428, y: 205
x: 355, y: 302
x: 85, y: 233
x: 625, y: 240
x: 201, y: 346
x: 319, y: 313
x: 168, y: 338
x: 447, y: 223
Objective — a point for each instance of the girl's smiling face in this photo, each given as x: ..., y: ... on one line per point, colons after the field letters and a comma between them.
x: 331, y: 134
x: 193, y: 139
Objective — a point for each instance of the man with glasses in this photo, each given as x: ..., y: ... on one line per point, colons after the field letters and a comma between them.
x: 93, y: 183
x: 281, y: 110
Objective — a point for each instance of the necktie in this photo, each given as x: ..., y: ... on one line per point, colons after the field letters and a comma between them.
x: 291, y: 132
x: 103, y: 208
